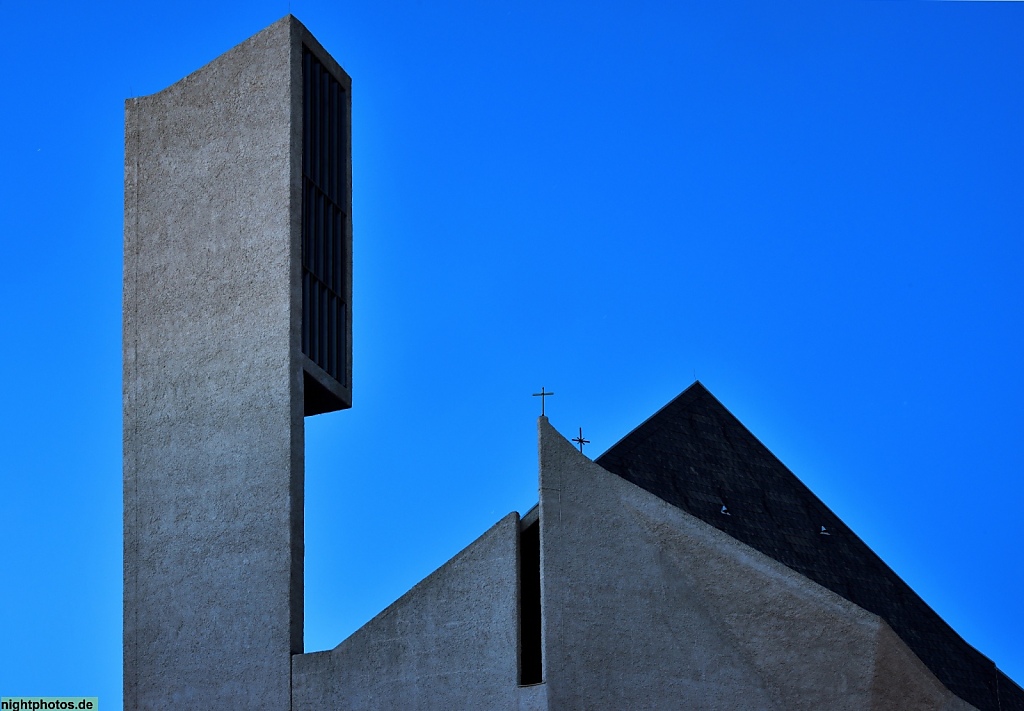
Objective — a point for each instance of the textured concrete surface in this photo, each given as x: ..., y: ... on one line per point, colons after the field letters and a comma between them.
x: 532, y: 698
x: 647, y: 607
x: 449, y: 643
x: 902, y: 681
x: 213, y: 401
x: 694, y: 454
x: 644, y: 606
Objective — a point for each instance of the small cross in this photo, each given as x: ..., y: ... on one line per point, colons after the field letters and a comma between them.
x: 542, y: 394
x: 580, y: 441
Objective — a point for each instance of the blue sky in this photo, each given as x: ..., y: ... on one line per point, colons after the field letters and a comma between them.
x: 814, y: 208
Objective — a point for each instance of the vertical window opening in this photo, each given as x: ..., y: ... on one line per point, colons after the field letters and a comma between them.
x: 530, y: 660
x: 324, y: 244
x: 324, y: 222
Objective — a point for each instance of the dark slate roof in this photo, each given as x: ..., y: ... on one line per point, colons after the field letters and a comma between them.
x: 697, y: 456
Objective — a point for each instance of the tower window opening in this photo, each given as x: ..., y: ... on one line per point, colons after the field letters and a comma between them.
x: 324, y: 219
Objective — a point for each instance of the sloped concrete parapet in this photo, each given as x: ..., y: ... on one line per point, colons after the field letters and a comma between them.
x: 449, y: 643
x: 646, y: 606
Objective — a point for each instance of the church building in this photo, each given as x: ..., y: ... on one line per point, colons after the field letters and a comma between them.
x: 685, y: 568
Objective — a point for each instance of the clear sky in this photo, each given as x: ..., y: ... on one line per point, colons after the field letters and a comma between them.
x: 814, y: 208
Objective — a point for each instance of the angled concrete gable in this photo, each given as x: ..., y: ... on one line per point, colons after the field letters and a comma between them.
x: 646, y: 606
x: 449, y: 643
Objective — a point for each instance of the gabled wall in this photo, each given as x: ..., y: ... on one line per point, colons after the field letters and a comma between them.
x: 647, y: 607
x: 449, y: 643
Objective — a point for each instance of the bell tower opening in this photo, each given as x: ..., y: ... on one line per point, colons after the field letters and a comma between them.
x: 326, y: 243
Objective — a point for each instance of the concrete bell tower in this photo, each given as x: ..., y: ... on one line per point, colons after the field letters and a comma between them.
x: 237, y: 324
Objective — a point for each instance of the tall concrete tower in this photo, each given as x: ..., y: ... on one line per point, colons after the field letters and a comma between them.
x: 237, y: 324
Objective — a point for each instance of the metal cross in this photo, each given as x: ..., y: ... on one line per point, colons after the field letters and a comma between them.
x: 580, y: 441
x: 542, y: 395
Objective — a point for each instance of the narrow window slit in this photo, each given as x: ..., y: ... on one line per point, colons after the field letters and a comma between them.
x: 530, y: 655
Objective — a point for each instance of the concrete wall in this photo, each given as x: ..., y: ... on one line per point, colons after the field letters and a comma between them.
x: 449, y: 643
x: 646, y: 607
x: 213, y: 401
x: 902, y: 681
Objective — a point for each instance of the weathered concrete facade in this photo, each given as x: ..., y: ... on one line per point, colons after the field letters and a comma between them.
x: 214, y: 380
x: 644, y: 607
x: 639, y: 603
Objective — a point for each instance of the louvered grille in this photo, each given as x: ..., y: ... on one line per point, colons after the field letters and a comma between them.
x: 324, y: 221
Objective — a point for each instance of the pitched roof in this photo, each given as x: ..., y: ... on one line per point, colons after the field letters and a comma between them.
x: 696, y: 455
